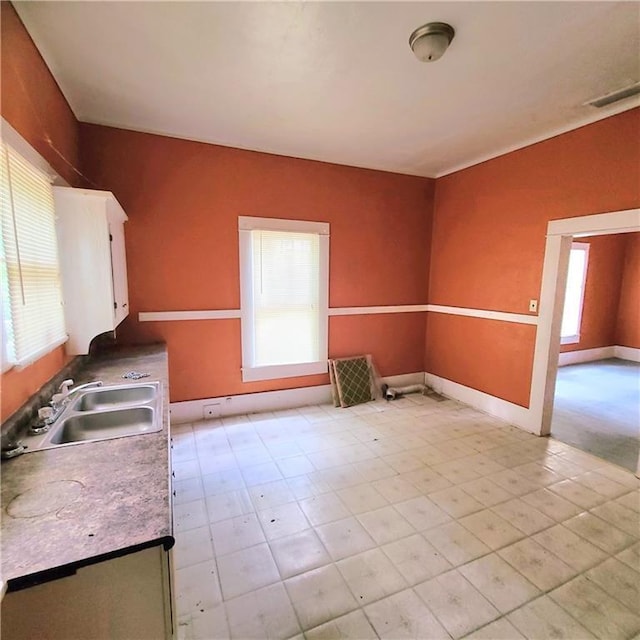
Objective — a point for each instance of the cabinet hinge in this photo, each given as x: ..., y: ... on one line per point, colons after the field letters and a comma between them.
x: 115, y: 305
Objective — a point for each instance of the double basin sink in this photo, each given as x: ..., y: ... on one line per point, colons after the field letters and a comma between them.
x: 102, y: 413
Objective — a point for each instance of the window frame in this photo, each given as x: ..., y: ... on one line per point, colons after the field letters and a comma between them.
x: 575, y: 338
x: 251, y: 373
x: 14, y: 142
x: 7, y: 358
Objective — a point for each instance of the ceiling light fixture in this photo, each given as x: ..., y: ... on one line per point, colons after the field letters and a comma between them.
x: 431, y: 40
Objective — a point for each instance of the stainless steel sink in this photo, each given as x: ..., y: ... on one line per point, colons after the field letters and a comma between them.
x: 103, y: 425
x: 102, y: 414
x: 111, y: 398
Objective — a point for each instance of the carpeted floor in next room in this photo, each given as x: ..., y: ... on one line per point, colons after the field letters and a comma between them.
x: 409, y: 519
x: 597, y: 409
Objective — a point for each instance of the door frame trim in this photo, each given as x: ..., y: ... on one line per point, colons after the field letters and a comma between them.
x: 560, y: 234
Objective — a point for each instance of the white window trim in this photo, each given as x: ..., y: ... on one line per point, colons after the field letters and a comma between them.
x: 6, y: 358
x: 245, y: 225
x: 582, y: 246
x: 10, y: 136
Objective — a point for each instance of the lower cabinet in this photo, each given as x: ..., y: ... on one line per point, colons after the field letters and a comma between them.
x: 127, y: 598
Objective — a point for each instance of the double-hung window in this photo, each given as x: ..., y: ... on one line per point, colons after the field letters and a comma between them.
x: 32, y: 313
x: 574, y: 294
x: 284, y: 280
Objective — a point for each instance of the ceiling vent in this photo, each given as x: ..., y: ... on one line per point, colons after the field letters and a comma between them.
x: 616, y: 96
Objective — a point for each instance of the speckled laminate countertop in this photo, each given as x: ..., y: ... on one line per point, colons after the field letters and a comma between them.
x: 102, y: 499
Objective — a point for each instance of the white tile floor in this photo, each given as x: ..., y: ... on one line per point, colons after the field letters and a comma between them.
x: 412, y: 519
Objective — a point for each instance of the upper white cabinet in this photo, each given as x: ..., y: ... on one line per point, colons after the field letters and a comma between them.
x: 93, y: 266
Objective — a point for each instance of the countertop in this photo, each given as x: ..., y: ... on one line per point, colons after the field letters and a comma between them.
x: 96, y: 500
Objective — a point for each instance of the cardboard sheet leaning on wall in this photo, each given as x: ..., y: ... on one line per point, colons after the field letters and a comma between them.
x: 354, y: 380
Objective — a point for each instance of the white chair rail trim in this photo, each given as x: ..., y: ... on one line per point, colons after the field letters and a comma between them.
x: 225, y: 314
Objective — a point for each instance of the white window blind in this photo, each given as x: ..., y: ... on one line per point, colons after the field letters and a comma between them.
x: 286, y: 297
x: 32, y: 311
x: 284, y: 300
x: 574, y: 294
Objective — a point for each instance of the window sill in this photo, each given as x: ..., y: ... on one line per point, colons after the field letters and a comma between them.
x: 570, y: 340
x: 254, y: 374
x: 34, y: 357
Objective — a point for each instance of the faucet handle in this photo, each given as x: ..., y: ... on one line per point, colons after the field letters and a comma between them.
x: 45, y: 414
x: 64, y: 386
x: 57, y: 400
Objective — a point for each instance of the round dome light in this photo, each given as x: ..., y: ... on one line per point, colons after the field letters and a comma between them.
x: 431, y: 40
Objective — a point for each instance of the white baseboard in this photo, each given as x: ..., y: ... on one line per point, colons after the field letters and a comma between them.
x: 404, y: 379
x: 600, y: 353
x: 508, y: 411
x: 585, y: 355
x: 194, y: 410
x: 627, y: 353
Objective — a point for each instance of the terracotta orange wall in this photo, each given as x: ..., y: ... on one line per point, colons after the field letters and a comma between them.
x: 482, y: 354
x: 488, y: 239
x: 601, y: 292
x: 183, y: 200
x: 628, y: 326
x: 31, y: 101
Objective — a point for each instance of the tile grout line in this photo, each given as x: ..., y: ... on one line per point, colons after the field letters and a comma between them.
x: 456, y: 568
x: 605, y: 500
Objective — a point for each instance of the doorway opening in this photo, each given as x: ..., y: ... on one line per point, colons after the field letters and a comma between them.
x: 596, y: 409
x: 597, y: 393
x: 561, y: 234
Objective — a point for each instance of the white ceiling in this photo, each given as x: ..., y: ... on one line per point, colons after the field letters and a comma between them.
x: 336, y: 81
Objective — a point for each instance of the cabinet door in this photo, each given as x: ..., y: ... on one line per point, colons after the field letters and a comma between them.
x: 121, y: 599
x: 119, y: 271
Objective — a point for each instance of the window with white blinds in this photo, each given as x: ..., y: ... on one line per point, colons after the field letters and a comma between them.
x: 574, y: 294
x: 284, y: 266
x: 32, y: 311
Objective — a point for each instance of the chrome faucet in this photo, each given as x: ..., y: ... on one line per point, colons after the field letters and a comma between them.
x: 66, y: 391
x: 48, y: 415
x: 11, y: 448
